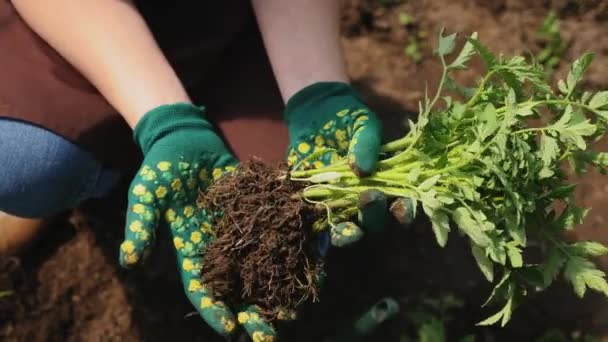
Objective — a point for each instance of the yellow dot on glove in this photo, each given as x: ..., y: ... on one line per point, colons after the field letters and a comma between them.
x: 217, y: 172
x: 170, y: 215
x: 161, y: 192
x: 328, y: 125
x: 144, y: 170
x: 127, y: 247
x: 319, y: 141
x: 138, y: 208
x: 188, y: 265
x: 317, y: 164
x: 196, y: 237
x: 303, y: 147
x: 163, y: 166
x: 178, y: 242
x: 195, y: 285
x: 136, y: 226
x: 176, y: 184
x: 206, y: 302
x: 362, y: 119
x: 143, y: 235
x: 340, y: 135
x: 259, y: 336
x: 139, y: 190
x: 206, y: 228
x: 342, y: 113
x: 188, y: 211
x: 131, y: 258
x: 243, y: 317
x: 228, y: 324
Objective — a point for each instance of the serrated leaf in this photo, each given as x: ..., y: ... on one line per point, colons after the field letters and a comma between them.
x: 552, y: 265
x: 526, y: 109
x: 504, y: 315
x: 485, y: 264
x: 465, y: 54
x: 488, y: 57
x: 577, y: 70
x: 470, y: 226
x: 599, y: 100
x: 588, y: 249
x: 446, y: 44
x: 441, y: 227
x: 583, y: 274
x: 548, y: 149
x: 571, y: 216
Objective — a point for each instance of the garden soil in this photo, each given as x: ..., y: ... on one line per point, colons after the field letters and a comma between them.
x: 72, y: 289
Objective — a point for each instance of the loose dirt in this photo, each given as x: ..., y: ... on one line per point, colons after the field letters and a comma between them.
x: 263, y: 252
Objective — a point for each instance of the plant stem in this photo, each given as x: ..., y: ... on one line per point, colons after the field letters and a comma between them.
x: 482, y: 85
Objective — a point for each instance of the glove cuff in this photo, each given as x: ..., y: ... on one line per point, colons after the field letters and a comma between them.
x: 165, y: 120
x: 313, y: 105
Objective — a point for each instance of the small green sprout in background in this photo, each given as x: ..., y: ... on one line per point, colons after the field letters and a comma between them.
x: 4, y: 294
x: 413, y: 47
x: 554, y: 47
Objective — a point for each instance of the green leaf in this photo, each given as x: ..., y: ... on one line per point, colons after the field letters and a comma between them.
x: 583, y: 274
x: 465, y: 55
x: 552, y: 265
x: 428, y: 183
x: 563, y: 88
x: 526, y: 109
x: 588, y: 249
x: 441, y: 227
x: 549, y: 149
x: 470, y: 226
x: 432, y: 331
x: 488, y: 57
x: 405, y: 19
x: 446, y: 44
x: 500, y: 289
x: 485, y: 264
x: 577, y: 70
x: 504, y: 315
x: 599, y: 100
x: 489, y: 120
x: 515, y: 256
x: 571, y: 217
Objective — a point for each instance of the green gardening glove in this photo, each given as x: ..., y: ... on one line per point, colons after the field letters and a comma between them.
x: 182, y: 155
x: 331, y: 116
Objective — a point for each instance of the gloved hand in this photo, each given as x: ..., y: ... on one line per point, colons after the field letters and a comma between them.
x: 182, y: 155
x: 332, y: 115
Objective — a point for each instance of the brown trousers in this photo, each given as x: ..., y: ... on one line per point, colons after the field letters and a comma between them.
x: 215, y: 49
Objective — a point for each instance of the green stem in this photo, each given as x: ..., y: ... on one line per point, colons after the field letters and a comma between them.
x: 479, y: 91
x: 397, y: 145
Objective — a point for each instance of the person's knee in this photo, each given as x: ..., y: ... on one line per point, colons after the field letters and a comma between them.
x: 42, y: 173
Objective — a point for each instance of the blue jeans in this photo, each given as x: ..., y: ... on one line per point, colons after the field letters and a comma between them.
x: 42, y: 173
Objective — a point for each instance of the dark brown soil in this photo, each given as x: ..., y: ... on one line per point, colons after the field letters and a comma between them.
x: 263, y: 251
x: 70, y: 287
